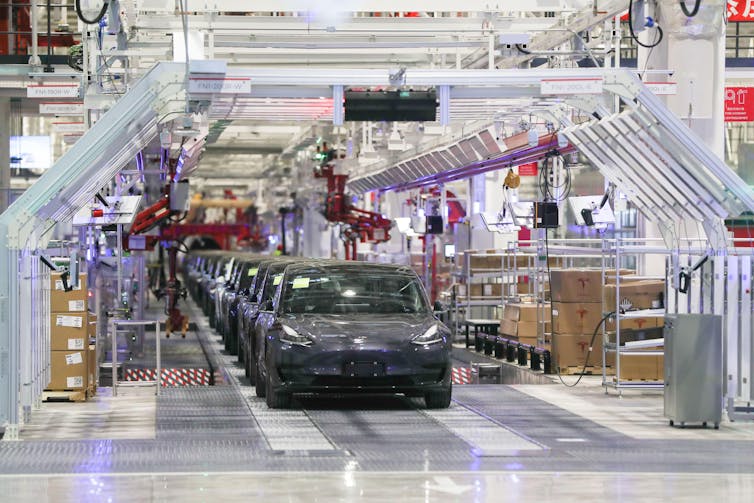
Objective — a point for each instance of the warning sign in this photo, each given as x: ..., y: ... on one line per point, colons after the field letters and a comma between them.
x: 739, y: 104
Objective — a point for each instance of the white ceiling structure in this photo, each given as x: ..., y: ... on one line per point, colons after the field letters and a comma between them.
x: 268, y: 126
x: 254, y: 135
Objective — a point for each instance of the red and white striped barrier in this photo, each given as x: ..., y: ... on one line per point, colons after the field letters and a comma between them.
x: 461, y: 375
x: 171, y: 377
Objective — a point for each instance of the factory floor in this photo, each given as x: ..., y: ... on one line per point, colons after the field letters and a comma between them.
x: 533, y: 442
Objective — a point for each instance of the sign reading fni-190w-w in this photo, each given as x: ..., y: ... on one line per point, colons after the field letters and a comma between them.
x: 213, y: 85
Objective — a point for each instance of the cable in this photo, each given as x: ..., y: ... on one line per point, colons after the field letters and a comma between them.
x: 660, y: 33
x: 694, y: 11
x: 588, y: 354
x: 77, y: 5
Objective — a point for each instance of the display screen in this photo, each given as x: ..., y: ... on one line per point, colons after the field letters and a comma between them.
x: 30, y: 152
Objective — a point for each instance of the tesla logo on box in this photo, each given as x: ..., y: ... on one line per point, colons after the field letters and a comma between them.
x: 739, y: 104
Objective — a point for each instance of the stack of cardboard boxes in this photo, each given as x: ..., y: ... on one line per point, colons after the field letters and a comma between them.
x: 639, y: 294
x: 576, y: 312
x: 521, y: 322
x: 72, y: 357
x: 577, y: 296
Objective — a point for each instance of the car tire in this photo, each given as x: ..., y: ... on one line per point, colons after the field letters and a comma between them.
x: 438, y: 399
x: 259, y: 383
x: 277, y: 399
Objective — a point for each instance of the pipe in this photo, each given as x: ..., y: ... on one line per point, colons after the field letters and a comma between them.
x: 34, y: 59
x: 48, y: 67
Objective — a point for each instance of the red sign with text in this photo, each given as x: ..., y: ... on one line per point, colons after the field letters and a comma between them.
x: 529, y: 169
x: 741, y: 10
x: 739, y: 104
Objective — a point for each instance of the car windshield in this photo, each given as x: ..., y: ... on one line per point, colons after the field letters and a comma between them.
x: 342, y: 292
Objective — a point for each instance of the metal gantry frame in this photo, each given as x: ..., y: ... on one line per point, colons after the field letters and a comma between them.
x: 24, y: 227
x: 133, y: 121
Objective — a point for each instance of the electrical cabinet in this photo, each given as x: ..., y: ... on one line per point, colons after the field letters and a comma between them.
x: 693, y: 369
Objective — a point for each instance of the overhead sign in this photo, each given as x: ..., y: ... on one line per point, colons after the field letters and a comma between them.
x: 68, y: 127
x: 220, y: 85
x: 739, y: 104
x: 529, y: 169
x: 663, y: 88
x: 741, y: 10
x: 53, y: 91
x: 61, y: 108
x: 571, y: 86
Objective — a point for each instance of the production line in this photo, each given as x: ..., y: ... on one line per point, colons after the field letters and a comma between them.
x: 299, y: 251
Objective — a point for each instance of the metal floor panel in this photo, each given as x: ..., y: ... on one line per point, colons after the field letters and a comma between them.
x: 487, y: 437
x: 225, y: 428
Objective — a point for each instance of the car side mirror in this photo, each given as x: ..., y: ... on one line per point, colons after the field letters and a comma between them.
x: 438, y: 307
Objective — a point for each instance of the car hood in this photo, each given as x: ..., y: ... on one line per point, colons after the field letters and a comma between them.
x: 361, y: 328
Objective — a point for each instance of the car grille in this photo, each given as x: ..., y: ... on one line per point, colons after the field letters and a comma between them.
x: 373, y: 382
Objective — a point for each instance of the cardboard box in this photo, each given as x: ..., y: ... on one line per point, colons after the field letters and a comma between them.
x: 642, y: 367
x: 62, y: 301
x: 571, y: 350
x: 642, y: 294
x: 625, y: 274
x: 69, y: 331
x: 69, y: 370
x: 508, y: 328
x: 530, y: 328
x: 526, y: 312
x: 576, y: 285
x: 91, y: 363
x: 576, y: 317
x: 528, y: 340
x: 92, y: 326
x: 511, y: 328
x: 643, y: 323
x: 492, y: 290
x: 475, y: 290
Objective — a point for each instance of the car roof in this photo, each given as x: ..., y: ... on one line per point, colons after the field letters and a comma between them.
x: 346, y: 266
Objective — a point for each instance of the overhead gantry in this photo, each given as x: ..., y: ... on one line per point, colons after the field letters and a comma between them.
x: 713, y: 191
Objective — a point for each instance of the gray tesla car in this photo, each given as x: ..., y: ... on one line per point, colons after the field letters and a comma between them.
x: 352, y: 327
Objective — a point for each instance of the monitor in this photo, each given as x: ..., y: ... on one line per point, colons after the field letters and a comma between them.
x: 449, y: 250
x: 30, y: 152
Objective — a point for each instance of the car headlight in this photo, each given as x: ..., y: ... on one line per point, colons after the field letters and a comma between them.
x: 431, y: 336
x: 292, y: 337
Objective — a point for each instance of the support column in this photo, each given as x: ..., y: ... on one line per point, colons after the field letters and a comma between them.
x: 694, y: 49
x: 4, y: 154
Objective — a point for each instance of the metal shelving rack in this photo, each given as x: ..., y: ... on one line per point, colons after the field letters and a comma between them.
x: 620, y: 248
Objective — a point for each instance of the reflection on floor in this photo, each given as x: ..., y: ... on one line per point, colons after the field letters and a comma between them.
x: 563, y: 487
x: 129, y: 415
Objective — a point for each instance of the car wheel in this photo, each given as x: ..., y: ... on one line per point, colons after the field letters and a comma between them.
x: 277, y: 399
x: 438, y: 399
x: 259, y: 383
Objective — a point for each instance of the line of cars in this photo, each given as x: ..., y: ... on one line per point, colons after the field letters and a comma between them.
x: 320, y: 326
